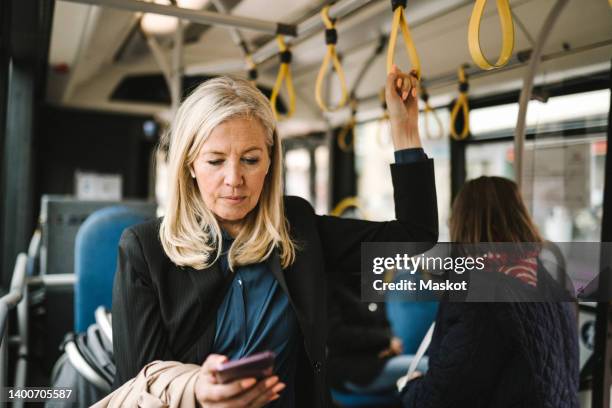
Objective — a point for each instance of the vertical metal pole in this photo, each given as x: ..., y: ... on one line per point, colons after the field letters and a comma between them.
x: 457, y: 161
x: 4, y: 364
x: 330, y: 142
x: 18, y: 164
x: 602, y: 375
x: 23, y: 309
x: 5, y: 30
x: 534, y: 63
x: 313, y: 175
x: 177, y: 68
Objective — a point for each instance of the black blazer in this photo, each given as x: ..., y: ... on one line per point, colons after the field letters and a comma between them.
x: 163, y: 311
x: 356, y: 335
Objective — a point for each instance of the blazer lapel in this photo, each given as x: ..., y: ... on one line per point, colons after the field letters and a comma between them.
x: 211, y: 286
x: 207, y: 283
x: 275, y: 266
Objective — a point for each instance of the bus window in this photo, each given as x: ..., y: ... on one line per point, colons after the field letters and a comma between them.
x: 297, y: 173
x: 321, y: 156
x: 564, y: 163
x: 374, y: 152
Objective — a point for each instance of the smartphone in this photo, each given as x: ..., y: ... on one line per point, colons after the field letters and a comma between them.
x: 256, y: 366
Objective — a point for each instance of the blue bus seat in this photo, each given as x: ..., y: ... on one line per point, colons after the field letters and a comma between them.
x: 96, y: 260
x: 410, y: 321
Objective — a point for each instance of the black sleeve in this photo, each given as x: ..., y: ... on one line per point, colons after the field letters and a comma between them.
x: 416, y: 213
x: 139, y: 335
x: 469, y: 355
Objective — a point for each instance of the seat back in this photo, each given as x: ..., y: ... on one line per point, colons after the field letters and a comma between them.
x: 410, y: 321
x: 95, y: 260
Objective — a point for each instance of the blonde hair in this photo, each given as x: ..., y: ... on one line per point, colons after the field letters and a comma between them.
x: 490, y: 209
x: 190, y: 233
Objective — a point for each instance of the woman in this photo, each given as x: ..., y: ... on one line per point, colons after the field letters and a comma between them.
x: 234, y: 268
x: 499, y: 354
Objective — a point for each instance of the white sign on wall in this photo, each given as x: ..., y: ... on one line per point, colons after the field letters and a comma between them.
x: 96, y: 186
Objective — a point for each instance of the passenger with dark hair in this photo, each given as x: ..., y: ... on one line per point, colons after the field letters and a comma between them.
x: 506, y: 354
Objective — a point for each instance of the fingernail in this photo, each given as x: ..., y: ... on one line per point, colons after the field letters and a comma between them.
x: 271, y: 381
x: 274, y: 398
x: 414, y: 93
x: 279, y: 387
x: 248, y: 383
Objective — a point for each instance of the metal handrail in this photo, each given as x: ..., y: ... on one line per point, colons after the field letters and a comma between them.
x: 56, y: 279
x: 11, y: 299
x: 196, y: 16
x: 34, y: 245
x: 17, y: 297
x: 8, y: 302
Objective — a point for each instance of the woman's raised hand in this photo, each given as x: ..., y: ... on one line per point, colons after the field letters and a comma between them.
x: 246, y: 392
x: 401, y: 94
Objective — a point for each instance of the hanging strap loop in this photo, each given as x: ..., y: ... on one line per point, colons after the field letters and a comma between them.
x: 428, y: 112
x: 284, y: 74
x: 285, y: 57
x: 507, y: 28
x: 399, y: 22
x: 398, y: 3
x: 348, y: 130
x: 251, y: 69
x: 463, y: 105
x: 347, y: 203
x: 383, y: 103
x: 383, y: 118
x: 331, y: 38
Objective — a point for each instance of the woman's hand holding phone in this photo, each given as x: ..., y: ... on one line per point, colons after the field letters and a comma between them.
x: 245, y: 392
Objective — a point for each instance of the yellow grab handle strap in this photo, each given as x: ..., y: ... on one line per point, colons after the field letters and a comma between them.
x: 461, y: 103
x: 348, y: 130
x: 251, y: 69
x: 284, y: 74
x: 427, y: 112
x: 383, y: 118
x: 383, y: 103
x: 399, y: 21
x: 331, y: 38
x: 507, y: 27
x: 345, y: 204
